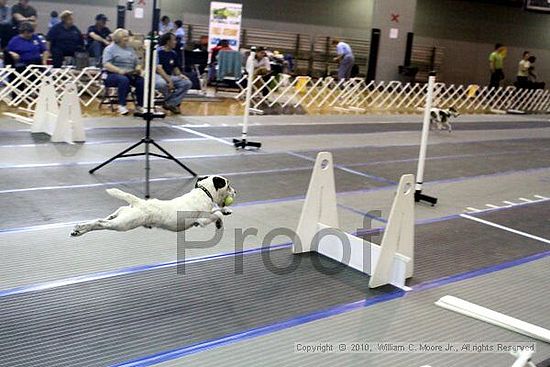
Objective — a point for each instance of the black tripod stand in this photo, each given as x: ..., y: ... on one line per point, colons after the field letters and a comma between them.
x: 148, y: 116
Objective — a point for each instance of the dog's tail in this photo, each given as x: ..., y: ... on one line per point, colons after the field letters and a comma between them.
x: 119, y: 194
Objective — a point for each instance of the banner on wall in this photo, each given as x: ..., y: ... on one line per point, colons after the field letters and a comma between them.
x: 225, y: 24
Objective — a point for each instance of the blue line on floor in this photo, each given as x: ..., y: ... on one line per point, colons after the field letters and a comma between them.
x: 256, y: 332
x: 132, y: 270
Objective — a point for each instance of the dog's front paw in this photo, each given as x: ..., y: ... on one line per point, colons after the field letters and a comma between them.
x: 219, y: 224
x: 226, y: 211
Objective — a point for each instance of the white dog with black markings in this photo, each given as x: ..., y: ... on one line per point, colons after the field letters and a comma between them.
x: 203, y: 205
x: 440, y: 118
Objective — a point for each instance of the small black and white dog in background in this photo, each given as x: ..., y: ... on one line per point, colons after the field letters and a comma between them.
x: 203, y: 205
x: 440, y: 118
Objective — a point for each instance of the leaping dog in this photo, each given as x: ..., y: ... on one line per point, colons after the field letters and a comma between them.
x: 440, y: 118
x: 203, y: 205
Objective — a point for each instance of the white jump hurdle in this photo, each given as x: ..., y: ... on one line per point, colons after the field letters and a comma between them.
x: 388, y: 263
x: 69, y: 127
x: 47, y: 109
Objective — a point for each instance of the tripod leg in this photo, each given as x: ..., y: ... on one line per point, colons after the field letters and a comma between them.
x: 119, y: 155
x: 170, y: 156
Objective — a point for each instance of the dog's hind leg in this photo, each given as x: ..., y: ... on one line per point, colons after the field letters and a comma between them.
x: 126, y: 219
x: 116, y: 212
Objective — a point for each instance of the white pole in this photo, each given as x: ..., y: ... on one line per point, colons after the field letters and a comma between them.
x: 425, y: 131
x: 250, y: 71
x: 146, y: 76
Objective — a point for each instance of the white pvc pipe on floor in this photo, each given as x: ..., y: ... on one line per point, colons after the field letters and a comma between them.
x: 493, y: 317
x: 425, y: 132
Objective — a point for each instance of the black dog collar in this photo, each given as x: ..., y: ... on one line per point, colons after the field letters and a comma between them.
x: 206, y: 192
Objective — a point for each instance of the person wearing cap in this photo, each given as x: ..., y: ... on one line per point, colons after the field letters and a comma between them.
x: 65, y: 39
x: 99, y: 36
x: 27, y: 48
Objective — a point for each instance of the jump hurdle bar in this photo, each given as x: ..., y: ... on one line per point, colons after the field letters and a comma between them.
x: 391, y: 262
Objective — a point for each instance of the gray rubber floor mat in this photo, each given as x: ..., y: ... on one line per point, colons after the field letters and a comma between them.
x: 274, y: 130
x: 99, y: 134
x: 357, y: 155
x: 456, y: 167
x: 110, y: 321
x: 461, y: 245
x: 533, y: 218
x: 31, y: 208
x: 165, y: 132
x: 133, y: 169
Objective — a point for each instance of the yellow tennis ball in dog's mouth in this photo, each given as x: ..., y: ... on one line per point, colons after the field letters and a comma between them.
x: 228, y: 200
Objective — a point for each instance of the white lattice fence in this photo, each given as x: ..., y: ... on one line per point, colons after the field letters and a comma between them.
x: 20, y: 89
x: 357, y: 95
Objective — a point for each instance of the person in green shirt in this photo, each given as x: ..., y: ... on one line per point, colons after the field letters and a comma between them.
x: 496, y: 64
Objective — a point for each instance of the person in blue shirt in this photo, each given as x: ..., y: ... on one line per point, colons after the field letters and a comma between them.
x: 65, y: 39
x: 27, y: 48
x: 54, y: 19
x: 169, y: 80
x: 99, y: 37
x: 345, y: 59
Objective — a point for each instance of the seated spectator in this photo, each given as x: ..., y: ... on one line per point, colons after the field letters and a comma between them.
x: 65, y: 39
x: 223, y: 45
x: 23, y: 12
x: 99, y: 36
x: 165, y: 26
x: 27, y: 48
x: 6, y: 25
x: 54, y: 19
x: 170, y: 80
x: 123, y: 70
x: 262, y: 65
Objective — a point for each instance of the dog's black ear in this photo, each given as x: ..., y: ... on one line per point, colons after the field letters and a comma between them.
x: 219, y: 182
x: 199, y: 180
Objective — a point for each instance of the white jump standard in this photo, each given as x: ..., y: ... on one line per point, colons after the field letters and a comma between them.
x: 418, y: 195
x: 389, y: 263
